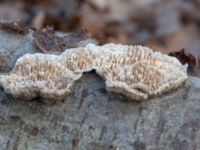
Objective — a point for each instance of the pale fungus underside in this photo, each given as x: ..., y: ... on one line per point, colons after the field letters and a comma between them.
x: 134, y: 71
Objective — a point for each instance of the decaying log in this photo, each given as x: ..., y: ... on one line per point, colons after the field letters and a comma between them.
x: 91, y: 118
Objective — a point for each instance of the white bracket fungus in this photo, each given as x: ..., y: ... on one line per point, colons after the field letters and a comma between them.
x: 134, y: 71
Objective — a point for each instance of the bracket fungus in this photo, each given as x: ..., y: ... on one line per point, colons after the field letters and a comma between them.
x: 134, y: 71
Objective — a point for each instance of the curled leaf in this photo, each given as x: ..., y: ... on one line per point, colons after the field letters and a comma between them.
x: 184, y: 58
x: 12, y: 25
x: 47, y: 41
x: 188, y: 58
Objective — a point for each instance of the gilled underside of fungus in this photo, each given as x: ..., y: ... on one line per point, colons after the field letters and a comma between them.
x: 134, y: 71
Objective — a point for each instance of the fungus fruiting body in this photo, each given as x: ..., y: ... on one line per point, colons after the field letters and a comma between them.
x: 134, y: 71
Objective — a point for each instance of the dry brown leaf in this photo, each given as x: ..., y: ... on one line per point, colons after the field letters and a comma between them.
x: 13, y: 25
x: 193, y: 62
x: 47, y: 41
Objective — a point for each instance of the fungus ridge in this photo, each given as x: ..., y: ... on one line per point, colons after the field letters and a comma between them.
x: 134, y: 71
